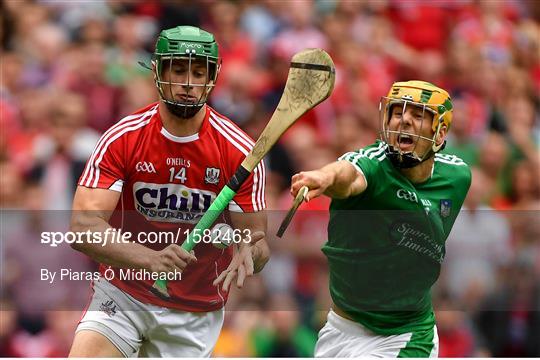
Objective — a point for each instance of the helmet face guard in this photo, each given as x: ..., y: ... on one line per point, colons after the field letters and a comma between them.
x: 192, y: 46
x: 436, y: 107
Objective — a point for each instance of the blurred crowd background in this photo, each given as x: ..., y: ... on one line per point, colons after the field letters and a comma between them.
x: 69, y: 70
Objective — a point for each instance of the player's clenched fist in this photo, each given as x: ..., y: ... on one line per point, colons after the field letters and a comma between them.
x: 172, y: 258
x: 317, y: 182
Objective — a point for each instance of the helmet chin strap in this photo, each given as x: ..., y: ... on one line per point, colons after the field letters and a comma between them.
x: 183, y: 111
x: 178, y: 109
x: 404, y: 160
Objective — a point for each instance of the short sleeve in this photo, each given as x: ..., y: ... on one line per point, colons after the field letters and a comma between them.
x: 250, y: 197
x: 366, y: 160
x: 235, y: 145
x: 105, y: 168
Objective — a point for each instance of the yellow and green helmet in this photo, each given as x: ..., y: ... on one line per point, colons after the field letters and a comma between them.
x: 426, y: 94
x: 420, y: 94
x: 193, y: 44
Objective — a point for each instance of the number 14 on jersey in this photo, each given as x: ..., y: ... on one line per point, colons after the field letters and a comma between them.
x: 180, y: 175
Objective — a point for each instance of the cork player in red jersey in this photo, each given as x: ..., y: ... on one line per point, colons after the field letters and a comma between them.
x: 158, y: 170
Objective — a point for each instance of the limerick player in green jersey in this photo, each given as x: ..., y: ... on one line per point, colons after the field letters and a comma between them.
x: 393, y: 206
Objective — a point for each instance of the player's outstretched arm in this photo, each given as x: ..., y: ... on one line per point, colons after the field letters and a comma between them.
x: 337, y: 180
x: 92, y: 209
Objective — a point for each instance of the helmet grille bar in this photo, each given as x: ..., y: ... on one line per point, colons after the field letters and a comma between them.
x: 184, y: 91
x: 409, y: 158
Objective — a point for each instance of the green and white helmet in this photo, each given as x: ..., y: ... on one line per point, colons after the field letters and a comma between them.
x: 192, y: 44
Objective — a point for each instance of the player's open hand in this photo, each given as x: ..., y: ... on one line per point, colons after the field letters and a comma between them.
x: 171, y: 258
x: 317, y: 182
x: 241, y: 265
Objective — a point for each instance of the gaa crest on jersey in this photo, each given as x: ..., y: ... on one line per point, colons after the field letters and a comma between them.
x: 145, y: 166
x: 446, y: 207
x: 212, y: 176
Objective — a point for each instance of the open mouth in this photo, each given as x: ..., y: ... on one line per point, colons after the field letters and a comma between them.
x: 405, y: 139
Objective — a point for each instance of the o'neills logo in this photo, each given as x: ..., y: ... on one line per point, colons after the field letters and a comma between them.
x: 171, y: 202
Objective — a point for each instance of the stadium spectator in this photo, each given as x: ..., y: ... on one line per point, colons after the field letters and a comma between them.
x: 494, y: 157
x: 478, y: 246
x: 455, y: 334
x: 89, y: 80
x: 509, y: 319
x: 460, y: 142
x: 285, y: 335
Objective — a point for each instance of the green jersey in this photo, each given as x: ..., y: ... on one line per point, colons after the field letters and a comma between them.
x: 386, y: 245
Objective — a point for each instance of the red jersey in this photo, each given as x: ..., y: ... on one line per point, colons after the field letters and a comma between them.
x: 167, y: 183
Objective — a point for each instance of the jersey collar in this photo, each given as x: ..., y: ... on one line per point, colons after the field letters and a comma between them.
x: 186, y: 139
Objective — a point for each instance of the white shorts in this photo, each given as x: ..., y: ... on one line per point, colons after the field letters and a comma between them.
x: 146, y: 330
x: 341, y: 337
